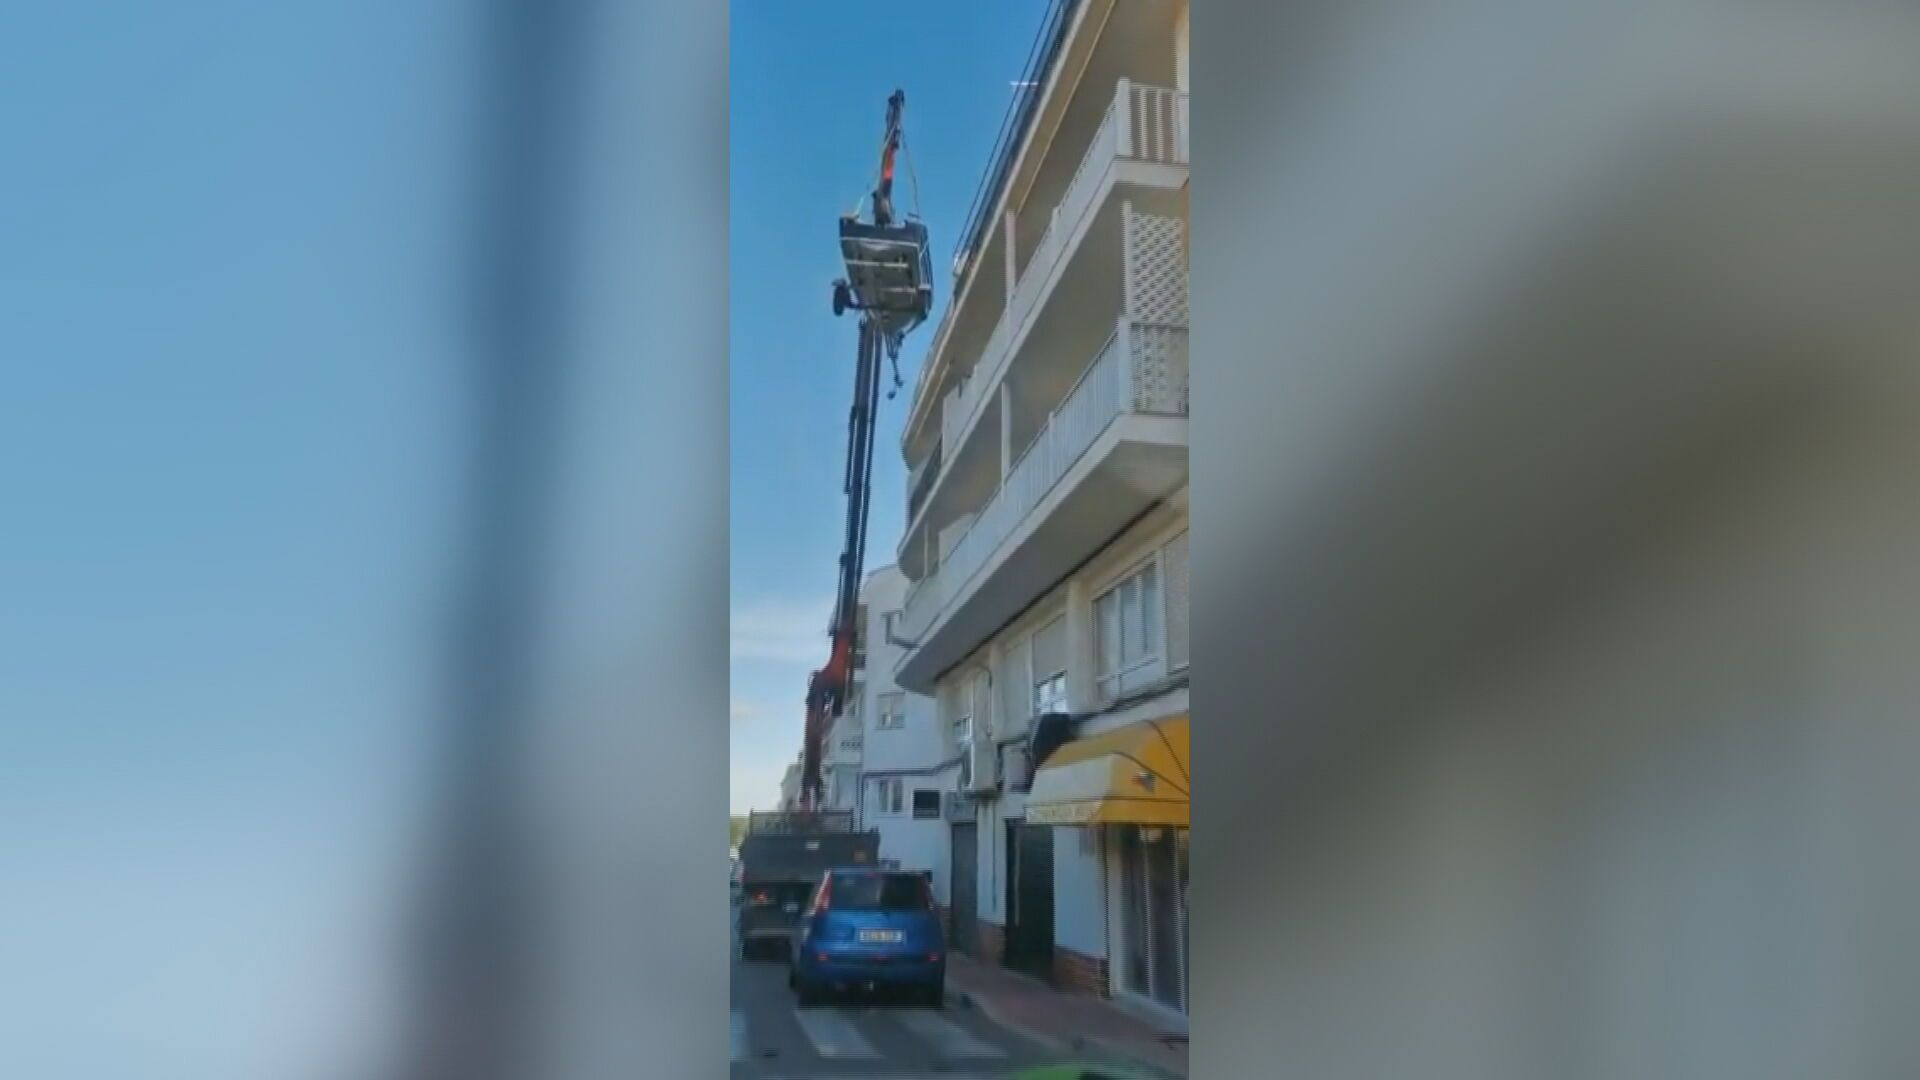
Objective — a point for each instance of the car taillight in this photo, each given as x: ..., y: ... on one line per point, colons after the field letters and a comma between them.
x: 760, y: 898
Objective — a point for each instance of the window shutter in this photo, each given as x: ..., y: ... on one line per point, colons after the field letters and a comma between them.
x: 1050, y: 650
x: 1016, y: 686
x: 1152, y: 631
x: 1177, y: 591
x: 1107, y: 612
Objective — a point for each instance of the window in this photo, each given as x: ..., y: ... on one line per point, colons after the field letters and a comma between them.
x: 893, y: 713
x: 926, y: 804
x: 957, y: 701
x: 980, y: 711
x: 888, y: 793
x: 881, y: 892
x: 959, y: 713
x: 1131, y: 644
x: 1015, y: 680
x: 1050, y: 668
x: 860, y: 636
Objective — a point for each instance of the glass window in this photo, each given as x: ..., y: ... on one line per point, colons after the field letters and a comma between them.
x: 1131, y: 643
x: 891, y: 708
x: 1107, y: 614
x: 880, y: 892
x: 926, y: 804
x: 1049, y: 686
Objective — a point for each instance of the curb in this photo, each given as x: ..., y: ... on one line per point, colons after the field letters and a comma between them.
x: 1055, y: 1044
x: 980, y: 1005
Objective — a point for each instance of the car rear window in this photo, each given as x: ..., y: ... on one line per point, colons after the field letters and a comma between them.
x: 880, y: 892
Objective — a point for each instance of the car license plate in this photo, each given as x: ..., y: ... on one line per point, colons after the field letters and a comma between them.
x: 888, y: 936
x: 791, y: 908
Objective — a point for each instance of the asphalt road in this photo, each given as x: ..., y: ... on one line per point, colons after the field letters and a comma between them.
x: 774, y: 1039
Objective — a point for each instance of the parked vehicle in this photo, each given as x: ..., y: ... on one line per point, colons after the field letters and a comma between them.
x: 871, y: 929
x: 782, y: 858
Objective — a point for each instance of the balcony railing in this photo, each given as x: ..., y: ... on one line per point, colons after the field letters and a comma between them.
x: 920, y: 481
x: 1142, y: 369
x: 1141, y: 124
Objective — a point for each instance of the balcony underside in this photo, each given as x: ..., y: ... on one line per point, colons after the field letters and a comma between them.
x: 1134, y: 464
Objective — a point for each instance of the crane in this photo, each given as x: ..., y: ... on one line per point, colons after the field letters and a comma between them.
x: 889, y: 283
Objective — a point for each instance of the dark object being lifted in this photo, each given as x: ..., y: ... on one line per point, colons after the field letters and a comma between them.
x: 889, y: 274
x: 889, y: 263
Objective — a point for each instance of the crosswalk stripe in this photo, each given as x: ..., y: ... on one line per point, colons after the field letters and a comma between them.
x: 833, y: 1034
x: 738, y: 1032
x: 948, y: 1039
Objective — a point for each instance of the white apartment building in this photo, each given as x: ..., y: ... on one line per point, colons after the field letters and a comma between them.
x: 908, y: 770
x: 1046, y: 521
x: 840, y: 757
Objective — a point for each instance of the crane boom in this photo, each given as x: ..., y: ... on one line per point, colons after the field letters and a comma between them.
x: 889, y: 282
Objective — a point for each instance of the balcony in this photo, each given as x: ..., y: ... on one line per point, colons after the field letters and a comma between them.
x: 1138, y: 149
x: 1115, y: 445
x: 920, y: 481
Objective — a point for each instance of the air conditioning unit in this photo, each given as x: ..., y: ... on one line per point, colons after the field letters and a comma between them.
x: 982, y: 771
x: 1016, y: 767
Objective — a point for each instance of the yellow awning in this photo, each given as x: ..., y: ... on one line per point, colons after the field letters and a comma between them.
x: 1135, y: 775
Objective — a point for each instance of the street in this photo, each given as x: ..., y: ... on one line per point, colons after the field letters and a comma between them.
x: 774, y: 1039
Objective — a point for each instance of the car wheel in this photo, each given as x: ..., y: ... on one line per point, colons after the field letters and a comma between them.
x: 934, y: 997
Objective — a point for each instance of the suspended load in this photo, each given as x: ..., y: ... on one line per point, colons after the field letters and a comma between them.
x: 889, y: 262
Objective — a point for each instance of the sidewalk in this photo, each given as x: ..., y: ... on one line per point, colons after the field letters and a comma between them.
x: 1067, y: 1023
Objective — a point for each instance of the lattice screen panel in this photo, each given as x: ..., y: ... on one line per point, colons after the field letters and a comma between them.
x: 1160, y: 369
x: 1156, y: 272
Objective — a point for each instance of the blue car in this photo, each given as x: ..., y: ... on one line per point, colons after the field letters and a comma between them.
x: 874, y: 930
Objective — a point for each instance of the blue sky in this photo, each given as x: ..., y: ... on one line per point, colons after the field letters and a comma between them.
x: 809, y: 86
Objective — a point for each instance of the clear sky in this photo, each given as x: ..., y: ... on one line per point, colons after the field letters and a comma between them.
x: 809, y: 89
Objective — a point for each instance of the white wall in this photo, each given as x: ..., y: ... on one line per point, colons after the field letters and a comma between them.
x: 917, y: 746
x: 992, y: 853
x: 1079, y: 906
x: 918, y: 843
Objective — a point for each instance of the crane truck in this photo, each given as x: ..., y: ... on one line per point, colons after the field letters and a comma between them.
x: 889, y: 283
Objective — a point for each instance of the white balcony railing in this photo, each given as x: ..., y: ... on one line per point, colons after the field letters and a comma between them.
x: 1142, y: 124
x: 1142, y: 368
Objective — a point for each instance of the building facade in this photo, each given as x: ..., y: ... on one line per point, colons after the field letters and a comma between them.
x: 908, y: 772
x: 1045, y: 613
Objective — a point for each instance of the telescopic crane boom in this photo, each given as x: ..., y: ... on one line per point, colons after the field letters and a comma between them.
x: 889, y: 282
